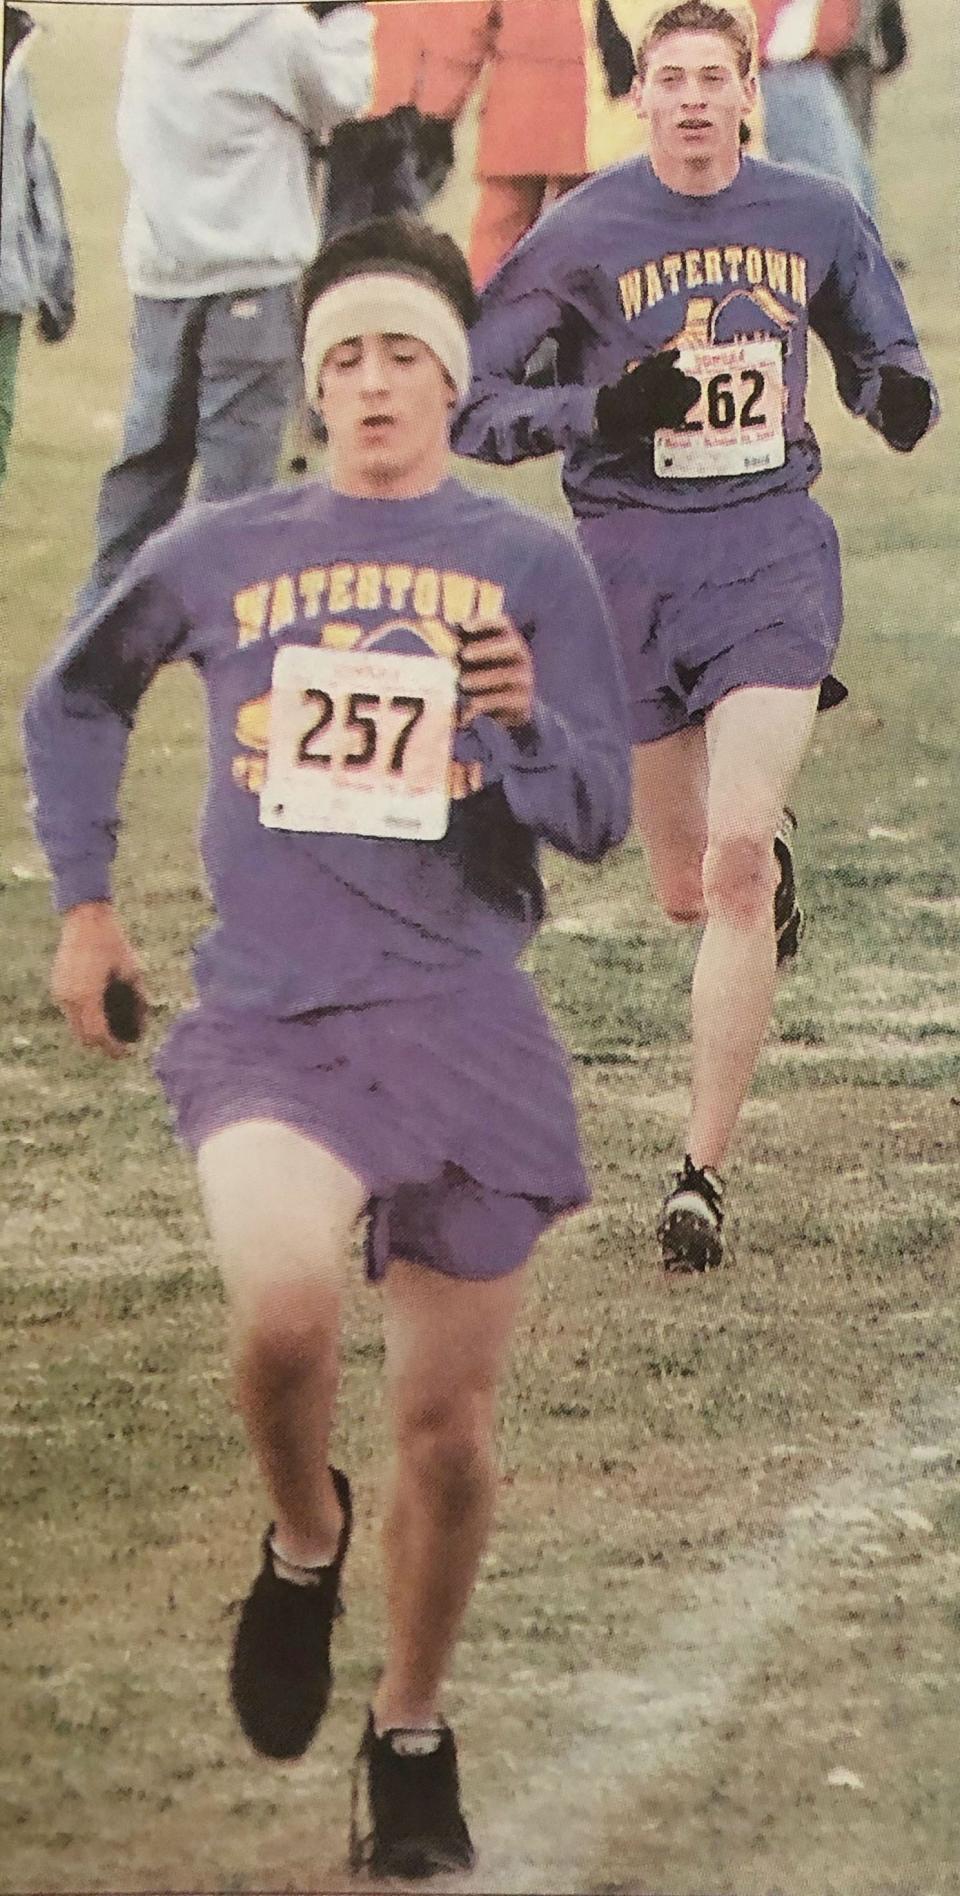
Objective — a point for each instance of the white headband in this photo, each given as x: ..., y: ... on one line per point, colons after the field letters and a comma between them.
x: 386, y: 304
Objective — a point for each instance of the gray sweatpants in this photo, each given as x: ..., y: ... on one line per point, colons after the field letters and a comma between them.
x: 212, y: 384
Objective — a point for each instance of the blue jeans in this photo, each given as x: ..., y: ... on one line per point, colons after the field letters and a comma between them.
x: 9, y: 349
x: 213, y: 381
x: 808, y: 125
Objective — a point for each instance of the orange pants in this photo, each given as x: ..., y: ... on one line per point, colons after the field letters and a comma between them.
x: 507, y: 209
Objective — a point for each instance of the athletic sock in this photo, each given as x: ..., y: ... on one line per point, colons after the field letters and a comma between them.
x: 411, y: 1741
x: 295, y: 1571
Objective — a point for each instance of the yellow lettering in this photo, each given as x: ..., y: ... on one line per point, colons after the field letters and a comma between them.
x: 713, y: 266
x: 426, y: 593
x: 399, y: 580
x: 654, y: 285
x: 283, y: 608
x: 438, y: 637
x: 733, y: 257
x: 671, y: 268
x: 312, y: 587
x: 777, y: 270
x: 490, y: 601
x: 631, y: 293
x: 754, y: 265
x: 694, y: 262
x: 341, y: 588
x: 250, y: 612
x: 341, y: 634
x: 459, y: 594
x: 798, y: 279
x: 369, y: 588
x: 249, y: 773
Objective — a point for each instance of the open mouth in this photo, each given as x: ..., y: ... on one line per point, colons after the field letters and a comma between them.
x: 695, y: 125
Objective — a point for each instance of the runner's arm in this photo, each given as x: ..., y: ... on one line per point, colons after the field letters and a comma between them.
x: 504, y: 419
x: 566, y: 774
x: 860, y: 314
x: 78, y: 720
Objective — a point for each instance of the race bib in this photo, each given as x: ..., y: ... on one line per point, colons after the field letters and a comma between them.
x: 360, y: 743
x: 737, y: 425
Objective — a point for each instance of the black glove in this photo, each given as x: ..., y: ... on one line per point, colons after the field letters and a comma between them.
x: 433, y: 144
x: 892, y: 34
x: 51, y: 326
x: 655, y: 394
x: 616, y: 53
x: 320, y: 8
x: 904, y: 407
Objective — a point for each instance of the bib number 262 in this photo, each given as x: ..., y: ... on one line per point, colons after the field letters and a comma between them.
x: 736, y: 427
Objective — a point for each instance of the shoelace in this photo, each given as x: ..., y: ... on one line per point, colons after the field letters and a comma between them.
x: 697, y: 1179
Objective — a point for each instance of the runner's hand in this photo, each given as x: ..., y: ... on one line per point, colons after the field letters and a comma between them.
x: 496, y: 673
x: 653, y: 394
x: 904, y: 407
x: 93, y: 952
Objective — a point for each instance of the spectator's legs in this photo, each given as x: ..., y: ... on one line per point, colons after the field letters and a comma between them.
x: 9, y: 350
x: 143, y: 490
x: 249, y: 357
x: 807, y: 124
x: 856, y: 78
x: 505, y: 212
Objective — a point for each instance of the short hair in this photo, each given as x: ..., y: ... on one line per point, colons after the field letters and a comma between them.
x: 704, y: 16
x: 402, y: 244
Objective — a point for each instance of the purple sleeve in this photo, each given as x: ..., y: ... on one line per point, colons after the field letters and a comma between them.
x: 77, y: 726
x: 567, y: 775
x: 503, y: 419
x: 860, y: 315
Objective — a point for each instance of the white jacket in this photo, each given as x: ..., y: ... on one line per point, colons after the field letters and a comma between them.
x: 218, y: 107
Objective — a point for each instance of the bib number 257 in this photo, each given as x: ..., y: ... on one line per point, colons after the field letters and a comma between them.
x: 360, y: 743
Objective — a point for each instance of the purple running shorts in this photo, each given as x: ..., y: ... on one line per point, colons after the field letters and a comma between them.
x: 704, y: 603
x: 455, y: 1112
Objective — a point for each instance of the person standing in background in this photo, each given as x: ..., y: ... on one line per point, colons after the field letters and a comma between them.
x: 806, y: 120
x: 557, y: 101
x: 878, y: 50
x: 218, y: 108
x: 36, y: 260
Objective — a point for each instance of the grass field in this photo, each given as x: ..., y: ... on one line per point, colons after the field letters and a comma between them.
x: 717, y: 1643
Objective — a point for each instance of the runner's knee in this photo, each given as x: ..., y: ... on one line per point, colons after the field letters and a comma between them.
x: 286, y: 1326
x: 680, y: 894
x: 739, y: 875
x: 447, y: 1447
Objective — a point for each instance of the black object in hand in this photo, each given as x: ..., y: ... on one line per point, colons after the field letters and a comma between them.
x: 53, y: 325
x: 904, y: 407
x: 124, y: 1010
x: 892, y: 34
x: 655, y: 394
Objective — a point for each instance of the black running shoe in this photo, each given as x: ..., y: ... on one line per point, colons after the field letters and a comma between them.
x: 788, y: 917
x: 691, y: 1221
x: 413, y: 1796
x: 280, y: 1675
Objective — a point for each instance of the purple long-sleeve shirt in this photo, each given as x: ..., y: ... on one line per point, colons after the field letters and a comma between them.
x: 315, y: 920
x: 623, y: 267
